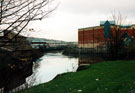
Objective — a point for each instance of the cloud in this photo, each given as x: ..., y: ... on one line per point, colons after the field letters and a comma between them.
x: 92, y: 6
x: 74, y: 14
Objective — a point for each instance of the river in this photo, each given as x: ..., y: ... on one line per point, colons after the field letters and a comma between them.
x: 44, y: 70
x: 49, y: 66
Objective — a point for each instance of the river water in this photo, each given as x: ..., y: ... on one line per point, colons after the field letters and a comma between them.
x: 49, y: 66
x: 44, y: 70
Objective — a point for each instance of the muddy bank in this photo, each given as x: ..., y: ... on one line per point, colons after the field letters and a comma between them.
x: 13, y: 73
x: 16, y: 66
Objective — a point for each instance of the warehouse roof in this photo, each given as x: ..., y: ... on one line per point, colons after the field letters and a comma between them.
x: 90, y: 28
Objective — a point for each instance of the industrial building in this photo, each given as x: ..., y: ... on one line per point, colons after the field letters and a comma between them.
x: 98, y: 36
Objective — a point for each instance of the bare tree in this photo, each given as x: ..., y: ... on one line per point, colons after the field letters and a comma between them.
x: 115, y: 39
x: 15, y: 15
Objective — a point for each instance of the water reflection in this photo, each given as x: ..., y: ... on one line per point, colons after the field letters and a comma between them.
x: 89, y: 60
x: 30, y: 81
x: 52, y: 64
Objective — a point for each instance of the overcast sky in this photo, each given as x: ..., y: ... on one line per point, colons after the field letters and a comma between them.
x: 71, y: 15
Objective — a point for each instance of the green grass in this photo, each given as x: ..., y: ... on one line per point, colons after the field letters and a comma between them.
x: 104, y: 77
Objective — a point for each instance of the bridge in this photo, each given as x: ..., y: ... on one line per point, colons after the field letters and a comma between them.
x: 51, y: 45
x: 44, y: 43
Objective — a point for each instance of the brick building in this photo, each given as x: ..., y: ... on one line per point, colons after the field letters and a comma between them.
x: 93, y: 37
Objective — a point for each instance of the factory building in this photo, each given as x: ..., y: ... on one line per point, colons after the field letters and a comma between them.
x: 98, y: 36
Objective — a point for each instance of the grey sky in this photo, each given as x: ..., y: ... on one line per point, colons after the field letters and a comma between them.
x: 63, y: 24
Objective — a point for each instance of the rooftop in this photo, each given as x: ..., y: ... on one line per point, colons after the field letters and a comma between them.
x: 103, y: 22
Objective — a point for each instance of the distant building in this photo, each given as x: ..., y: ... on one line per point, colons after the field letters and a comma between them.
x: 93, y: 37
x: 46, y: 43
x: 14, y: 41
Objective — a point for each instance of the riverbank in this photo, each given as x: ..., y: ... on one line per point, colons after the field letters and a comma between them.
x: 104, y: 77
x: 17, y: 65
x: 77, y: 52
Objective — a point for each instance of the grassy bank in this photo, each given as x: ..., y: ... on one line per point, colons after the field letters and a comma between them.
x: 104, y: 77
